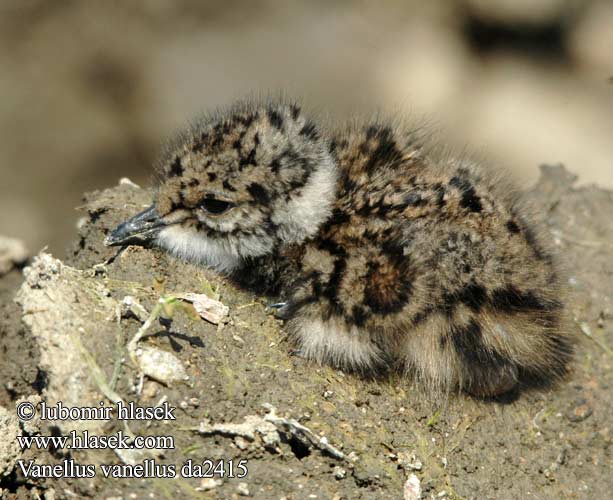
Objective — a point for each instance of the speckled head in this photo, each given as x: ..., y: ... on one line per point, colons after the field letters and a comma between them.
x: 237, y: 184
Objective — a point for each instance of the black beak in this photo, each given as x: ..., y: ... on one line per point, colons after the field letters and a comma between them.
x: 139, y: 230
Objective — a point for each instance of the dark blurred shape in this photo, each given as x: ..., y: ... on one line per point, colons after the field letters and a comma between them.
x: 547, y: 40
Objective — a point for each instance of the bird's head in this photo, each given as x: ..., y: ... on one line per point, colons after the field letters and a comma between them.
x: 236, y: 185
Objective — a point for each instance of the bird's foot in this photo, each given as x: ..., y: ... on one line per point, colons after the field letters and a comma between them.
x: 279, y: 309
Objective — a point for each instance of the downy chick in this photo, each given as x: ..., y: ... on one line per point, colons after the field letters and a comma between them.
x: 386, y: 256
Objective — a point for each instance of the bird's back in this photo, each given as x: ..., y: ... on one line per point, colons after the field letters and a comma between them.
x: 434, y: 258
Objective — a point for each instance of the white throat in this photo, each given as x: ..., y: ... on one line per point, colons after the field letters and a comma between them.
x: 224, y: 255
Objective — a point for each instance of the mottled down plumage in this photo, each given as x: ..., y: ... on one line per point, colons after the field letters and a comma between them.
x: 387, y: 255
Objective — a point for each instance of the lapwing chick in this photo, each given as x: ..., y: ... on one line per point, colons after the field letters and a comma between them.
x: 384, y: 254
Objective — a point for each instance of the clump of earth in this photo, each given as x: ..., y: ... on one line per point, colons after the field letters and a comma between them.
x: 238, y: 393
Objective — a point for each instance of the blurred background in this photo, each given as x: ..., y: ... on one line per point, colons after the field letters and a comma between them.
x: 89, y: 90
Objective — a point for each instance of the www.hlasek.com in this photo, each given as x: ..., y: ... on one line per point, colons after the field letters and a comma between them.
x: 120, y: 440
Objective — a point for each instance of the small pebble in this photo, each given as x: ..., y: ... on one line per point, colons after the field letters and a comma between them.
x: 241, y: 443
x: 12, y: 252
x: 209, y: 484
x: 243, y: 489
x: 579, y: 412
x: 340, y: 473
x: 412, y: 488
x: 150, y: 390
x: 409, y: 461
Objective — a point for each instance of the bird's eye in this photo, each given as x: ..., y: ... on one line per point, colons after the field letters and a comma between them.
x: 214, y: 206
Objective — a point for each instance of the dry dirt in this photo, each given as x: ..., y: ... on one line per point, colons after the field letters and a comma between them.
x: 541, y: 445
